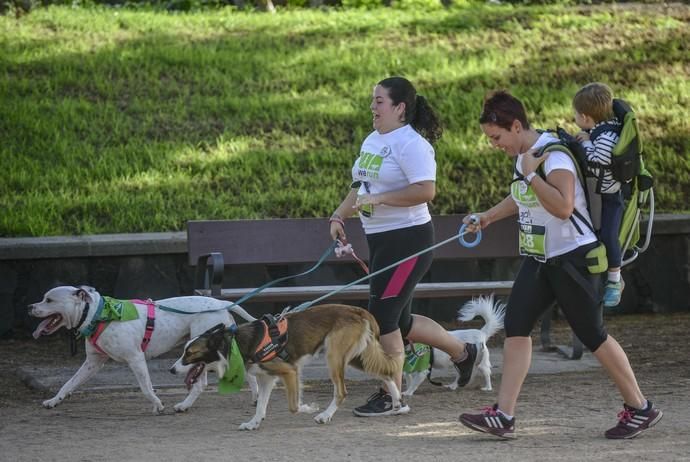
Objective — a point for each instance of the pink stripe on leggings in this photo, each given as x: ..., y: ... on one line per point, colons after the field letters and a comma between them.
x: 397, y: 282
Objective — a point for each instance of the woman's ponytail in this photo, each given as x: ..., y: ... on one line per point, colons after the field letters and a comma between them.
x: 425, y: 120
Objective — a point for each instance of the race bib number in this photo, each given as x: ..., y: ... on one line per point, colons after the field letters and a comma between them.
x: 533, y: 241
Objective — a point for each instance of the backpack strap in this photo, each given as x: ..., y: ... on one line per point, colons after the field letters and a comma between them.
x: 562, y: 147
x: 605, y: 127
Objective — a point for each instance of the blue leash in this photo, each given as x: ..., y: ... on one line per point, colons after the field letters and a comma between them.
x: 460, y: 236
x: 259, y: 289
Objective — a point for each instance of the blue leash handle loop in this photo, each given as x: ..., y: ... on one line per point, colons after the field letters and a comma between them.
x: 474, y: 220
x: 470, y: 244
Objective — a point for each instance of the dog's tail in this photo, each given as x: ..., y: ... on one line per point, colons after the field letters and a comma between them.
x: 492, y: 313
x: 372, y: 359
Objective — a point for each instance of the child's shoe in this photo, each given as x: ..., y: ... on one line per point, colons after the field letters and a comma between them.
x: 612, y: 293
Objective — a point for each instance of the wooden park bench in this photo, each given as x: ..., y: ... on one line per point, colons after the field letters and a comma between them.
x: 216, y: 245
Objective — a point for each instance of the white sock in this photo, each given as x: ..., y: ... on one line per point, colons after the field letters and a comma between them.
x: 615, y: 276
x: 644, y: 406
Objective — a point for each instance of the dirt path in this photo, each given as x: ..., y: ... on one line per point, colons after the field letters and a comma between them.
x: 560, y: 416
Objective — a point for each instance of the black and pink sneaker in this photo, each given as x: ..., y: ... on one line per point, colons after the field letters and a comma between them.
x: 466, y: 366
x: 632, y: 422
x: 490, y: 421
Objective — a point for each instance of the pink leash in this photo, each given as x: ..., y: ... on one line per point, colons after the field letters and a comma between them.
x: 148, y: 332
x: 343, y: 249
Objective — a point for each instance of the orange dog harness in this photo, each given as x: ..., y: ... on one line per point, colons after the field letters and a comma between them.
x: 274, y: 340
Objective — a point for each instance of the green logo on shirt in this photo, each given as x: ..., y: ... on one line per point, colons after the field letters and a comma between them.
x: 369, y: 164
x: 523, y: 194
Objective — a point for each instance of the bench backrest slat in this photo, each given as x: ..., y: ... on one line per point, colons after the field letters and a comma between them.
x: 303, y: 240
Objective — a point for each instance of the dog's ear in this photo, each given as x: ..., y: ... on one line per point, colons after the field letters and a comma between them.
x: 218, y: 340
x: 220, y: 327
x: 83, y: 295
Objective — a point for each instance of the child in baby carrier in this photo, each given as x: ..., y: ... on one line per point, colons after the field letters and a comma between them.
x: 594, y: 115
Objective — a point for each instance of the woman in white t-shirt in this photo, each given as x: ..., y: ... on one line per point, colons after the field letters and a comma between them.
x: 556, y: 237
x: 393, y: 179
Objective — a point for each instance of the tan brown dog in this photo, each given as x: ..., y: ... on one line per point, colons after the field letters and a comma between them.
x: 348, y: 334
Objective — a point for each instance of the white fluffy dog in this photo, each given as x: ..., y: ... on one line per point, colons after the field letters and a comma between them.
x: 493, y: 314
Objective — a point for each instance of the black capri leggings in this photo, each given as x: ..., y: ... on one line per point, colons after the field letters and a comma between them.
x: 538, y: 285
x: 390, y: 293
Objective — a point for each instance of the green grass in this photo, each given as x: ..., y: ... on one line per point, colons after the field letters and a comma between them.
x: 136, y: 121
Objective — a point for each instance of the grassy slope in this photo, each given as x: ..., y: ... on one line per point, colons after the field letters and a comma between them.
x: 125, y: 121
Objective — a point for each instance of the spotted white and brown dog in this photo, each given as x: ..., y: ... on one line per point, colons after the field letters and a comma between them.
x: 154, y: 332
x: 348, y: 334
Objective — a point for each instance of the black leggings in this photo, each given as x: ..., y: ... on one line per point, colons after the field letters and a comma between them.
x: 390, y: 293
x: 538, y: 285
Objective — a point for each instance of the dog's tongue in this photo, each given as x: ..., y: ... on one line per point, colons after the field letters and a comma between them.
x: 42, y: 327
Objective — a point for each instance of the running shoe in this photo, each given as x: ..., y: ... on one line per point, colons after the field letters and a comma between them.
x: 490, y: 421
x: 632, y: 422
x: 380, y: 404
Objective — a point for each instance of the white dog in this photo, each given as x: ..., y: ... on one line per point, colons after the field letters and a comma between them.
x: 493, y: 317
x: 132, y: 341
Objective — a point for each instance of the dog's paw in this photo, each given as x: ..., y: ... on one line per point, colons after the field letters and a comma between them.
x: 407, y: 393
x: 323, y: 418
x: 453, y: 386
x: 486, y: 388
x: 251, y: 425
x: 51, y: 403
x: 308, y: 408
x: 181, y: 407
x: 158, y: 408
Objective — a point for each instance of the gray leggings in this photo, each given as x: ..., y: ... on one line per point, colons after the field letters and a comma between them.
x: 538, y: 285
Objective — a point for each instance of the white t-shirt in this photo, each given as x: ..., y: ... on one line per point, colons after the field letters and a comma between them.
x: 560, y: 236
x: 389, y: 162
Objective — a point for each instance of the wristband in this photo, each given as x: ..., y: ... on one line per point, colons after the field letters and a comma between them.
x: 336, y: 219
x: 528, y: 179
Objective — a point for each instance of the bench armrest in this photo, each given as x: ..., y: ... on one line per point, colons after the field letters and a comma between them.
x: 209, y: 272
